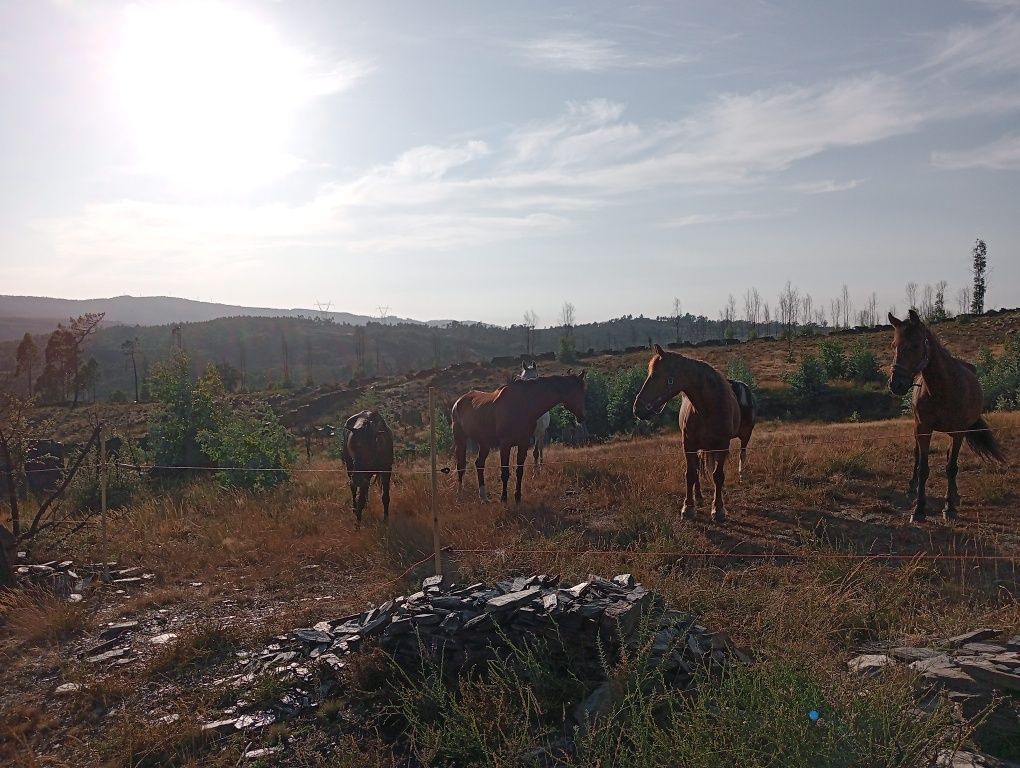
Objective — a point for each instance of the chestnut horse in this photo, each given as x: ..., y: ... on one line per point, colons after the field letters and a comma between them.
x: 529, y: 372
x: 505, y: 419
x: 748, y: 417
x: 367, y: 454
x: 709, y: 416
x: 947, y: 398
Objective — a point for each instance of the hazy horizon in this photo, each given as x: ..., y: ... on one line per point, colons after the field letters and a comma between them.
x: 466, y: 161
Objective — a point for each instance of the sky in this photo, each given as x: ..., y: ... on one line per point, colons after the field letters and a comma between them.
x: 475, y: 160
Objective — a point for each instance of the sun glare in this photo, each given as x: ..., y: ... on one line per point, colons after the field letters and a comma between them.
x: 210, y: 93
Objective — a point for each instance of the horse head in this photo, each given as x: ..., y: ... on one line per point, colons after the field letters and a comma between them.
x: 659, y: 388
x: 575, y: 395
x: 911, y: 352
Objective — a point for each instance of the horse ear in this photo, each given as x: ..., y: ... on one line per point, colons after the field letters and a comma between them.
x: 894, y: 321
x: 658, y: 349
x: 914, y: 317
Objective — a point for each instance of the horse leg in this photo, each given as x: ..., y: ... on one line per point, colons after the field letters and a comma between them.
x: 923, y: 438
x: 460, y: 451
x: 504, y: 470
x: 690, y: 507
x: 718, y: 478
x: 359, y: 506
x: 912, y: 486
x: 743, y: 460
x: 483, y: 454
x: 952, y: 468
x: 536, y: 454
x: 522, y: 457
x: 384, y: 478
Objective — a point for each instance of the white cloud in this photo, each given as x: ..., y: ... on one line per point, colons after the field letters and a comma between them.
x: 1001, y: 154
x: 826, y: 186
x: 989, y: 48
x: 715, y: 218
x: 537, y: 180
x: 577, y: 52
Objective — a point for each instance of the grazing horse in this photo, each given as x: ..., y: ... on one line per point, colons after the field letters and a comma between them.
x: 947, y: 398
x: 710, y: 416
x: 529, y: 372
x: 505, y: 419
x: 748, y: 416
x: 368, y: 454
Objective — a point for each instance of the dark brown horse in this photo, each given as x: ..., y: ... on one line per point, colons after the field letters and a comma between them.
x: 505, y: 419
x: 368, y: 454
x: 709, y: 417
x: 947, y: 399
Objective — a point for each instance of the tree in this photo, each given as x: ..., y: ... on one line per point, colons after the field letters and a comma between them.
x: 676, y: 318
x: 80, y: 329
x: 938, y: 309
x: 89, y: 377
x: 53, y: 381
x: 130, y: 349
x: 26, y: 359
x: 980, y: 257
x: 963, y: 300
x: 530, y: 323
x: 568, y: 347
x: 911, y: 295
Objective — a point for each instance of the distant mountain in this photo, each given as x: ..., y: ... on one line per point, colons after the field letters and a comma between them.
x: 37, y: 311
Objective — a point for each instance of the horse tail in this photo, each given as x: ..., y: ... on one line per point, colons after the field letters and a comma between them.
x: 983, y: 442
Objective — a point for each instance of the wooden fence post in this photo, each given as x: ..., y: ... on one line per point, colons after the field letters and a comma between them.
x: 102, y: 496
x: 435, y: 505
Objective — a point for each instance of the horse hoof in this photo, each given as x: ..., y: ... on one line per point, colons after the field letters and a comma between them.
x: 949, y: 513
x: 719, y: 515
x: 688, y: 510
x: 918, y: 517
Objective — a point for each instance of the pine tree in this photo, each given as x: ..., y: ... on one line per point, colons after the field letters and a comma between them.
x: 980, y: 254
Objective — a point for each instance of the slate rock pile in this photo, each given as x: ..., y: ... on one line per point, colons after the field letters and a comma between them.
x: 977, y: 672
x: 71, y: 581
x: 463, y: 627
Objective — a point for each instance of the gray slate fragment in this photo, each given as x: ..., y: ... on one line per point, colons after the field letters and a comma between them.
x: 869, y: 664
x: 910, y: 654
x: 974, y: 636
x: 116, y: 630
x: 510, y: 601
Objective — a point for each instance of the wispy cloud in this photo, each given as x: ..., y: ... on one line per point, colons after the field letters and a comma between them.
x: 695, y: 219
x: 825, y: 187
x: 1003, y: 154
x: 577, y: 52
x: 539, y: 179
x: 992, y: 48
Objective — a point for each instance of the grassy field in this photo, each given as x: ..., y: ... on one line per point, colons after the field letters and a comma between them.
x: 233, y: 569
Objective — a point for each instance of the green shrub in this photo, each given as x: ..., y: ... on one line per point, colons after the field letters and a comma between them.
x: 740, y: 370
x: 596, y: 404
x: 568, y: 349
x: 863, y: 365
x: 123, y: 485
x: 250, y: 445
x: 623, y: 388
x: 1000, y: 377
x: 833, y: 357
x: 809, y: 379
x: 187, y: 408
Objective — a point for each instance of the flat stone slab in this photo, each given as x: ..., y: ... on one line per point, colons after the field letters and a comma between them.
x: 511, y: 600
x: 987, y: 672
x: 116, y: 630
x: 869, y: 664
x: 66, y: 688
x: 974, y: 636
x: 909, y: 654
x: 162, y: 639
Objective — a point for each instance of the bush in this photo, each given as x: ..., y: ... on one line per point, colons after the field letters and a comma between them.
x: 187, y: 409
x: 834, y: 359
x: 568, y: 349
x: 809, y: 379
x: 1000, y: 378
x: 863, y: 365
x: 740, y: 370
x: 596, y: 404
x: 123, y: 485
x: 252, y: 447
x: 623, y: 388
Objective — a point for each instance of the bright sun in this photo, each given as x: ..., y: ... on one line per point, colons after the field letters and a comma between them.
x: 210, y: 93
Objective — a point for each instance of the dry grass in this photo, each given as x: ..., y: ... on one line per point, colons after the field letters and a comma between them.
x: 36, y: 617
x: 813, y: 490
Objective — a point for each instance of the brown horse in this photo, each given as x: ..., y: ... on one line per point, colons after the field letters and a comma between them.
x: 748, y: 417
x: 947, y: 399
x: 709, y: 416
x: 367, y: 454
x: 506, y: 418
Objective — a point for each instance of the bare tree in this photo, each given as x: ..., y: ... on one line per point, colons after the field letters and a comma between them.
x: 81, y: 328
x: 677, y: 314
x: 963, y: 300
x: 848, y: 307
x: 752, y: 310
x: 789, y: 306
x: 836, y: 312
x: 530, y: 323
x: 567, y: 315
x: 911, y: 295
x: 130, y: 350
x: 806, y: 310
